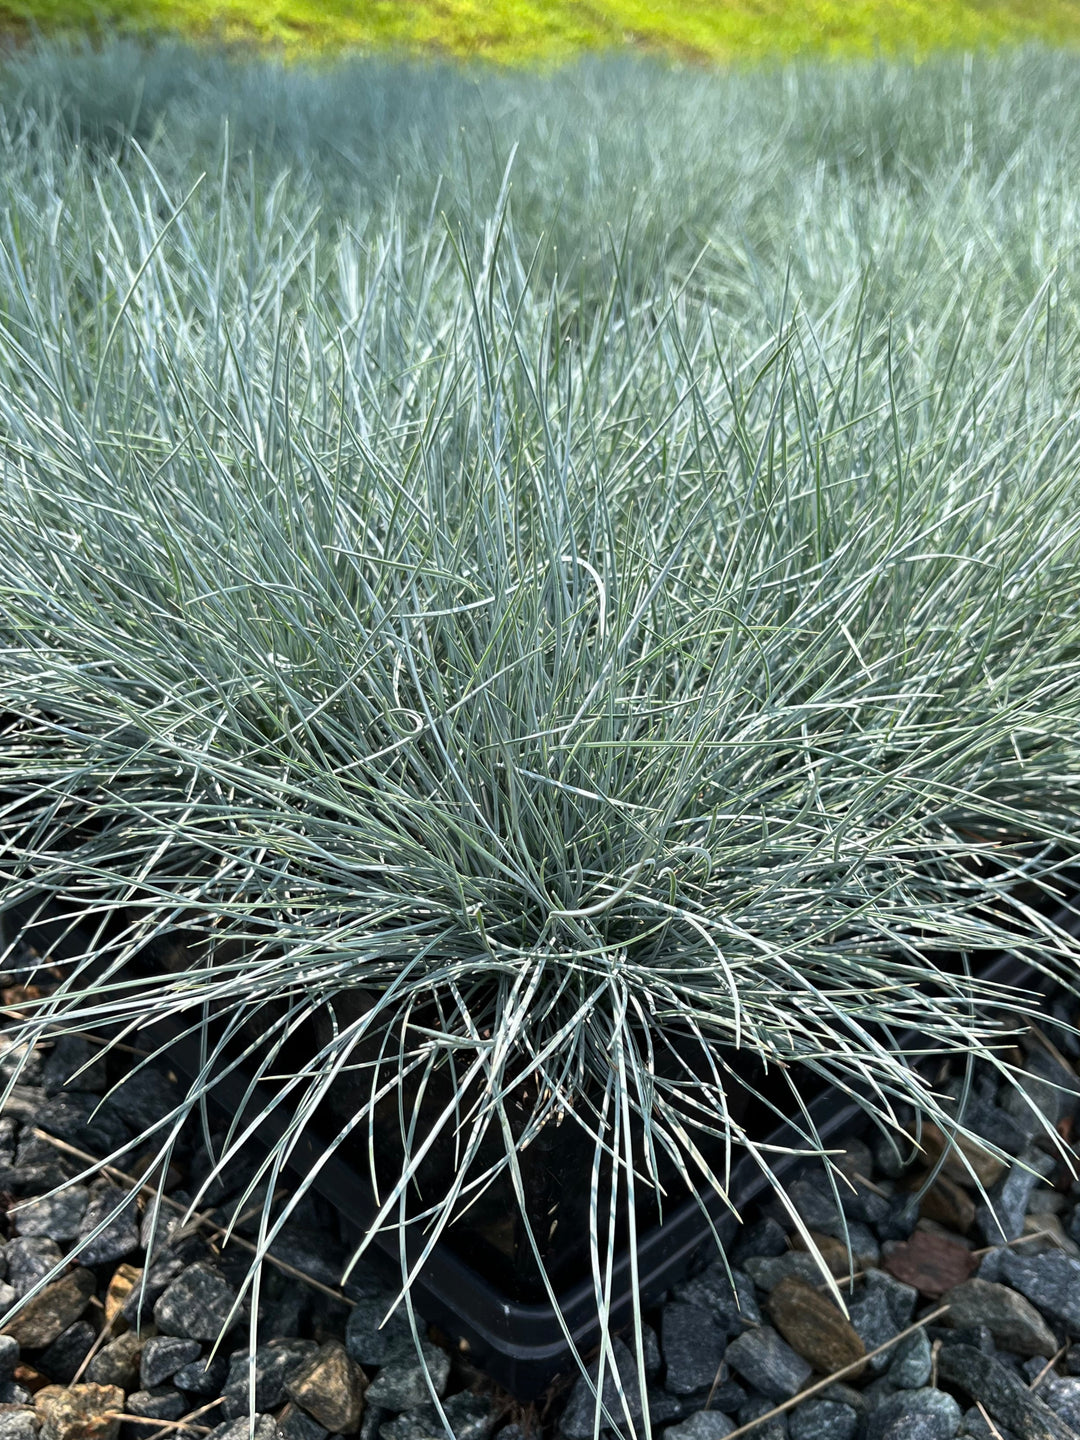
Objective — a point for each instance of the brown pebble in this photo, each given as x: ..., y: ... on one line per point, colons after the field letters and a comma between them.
x: 986, y: 1167
x: 931, y: 1263
x: 812, y: 1325
x: 330, y: 1387
x: 29, y: 1378
x: 949, y: 1204
x: 48, y: 1314
x: 833, y: 1252
x: 79, y: 1412
x: 124, y: 1279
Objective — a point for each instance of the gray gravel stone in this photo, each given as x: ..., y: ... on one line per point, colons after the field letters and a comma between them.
x: 71, y: 1053
x: 58, y: 1216
x: 665, y: 1409
x: 1003, y: 1218
x: 67, y: 1352
x: 1002, y: 1391
x: 823, y: 1420
x: 754, y: 1409
x: 421, y: 1424
x: 144, y: 1099
x: 162, y: 1356
x: 294, y: 1424
x: 1062, y: 1394
x: 816, y: 1205
x: 767, y: 1271
x: 265, y: 1429
x: 900, y: 1298
x: 1051, y: 1282
x: 400, y: 1384
x: 576, y: 1422
x: 704, y: 1425
x: 70, y: 1116
x: 365, y: 1342
x: 731, y: 1309
x: 973, y: 1425
x: 139, y: 1305
x: 196, y: 1304
x: 471, y: 1417
x: 874, y: 1320
x: 275, y: 1363
x: 203, y: 1377
x: 9, y: 1356
x: 917, y: 1415
x: 693, y: 1346
x: 766, y: 1238
x: 1014, y: 1322
x: 29, y: 1258
x: 120, y: 1238
x: 767, y: 1362
x: 161, y: 1403
x: 19, y: 1425
x: 117, y: 1363
x: 911, y: 1362
x: 652, y: 1358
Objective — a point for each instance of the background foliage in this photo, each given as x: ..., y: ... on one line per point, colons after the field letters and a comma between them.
x: 517, y: 32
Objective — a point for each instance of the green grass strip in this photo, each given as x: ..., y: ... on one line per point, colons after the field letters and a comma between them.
x: 531, y: 32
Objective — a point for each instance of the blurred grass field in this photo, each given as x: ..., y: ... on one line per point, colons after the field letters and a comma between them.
x: 540, y: 32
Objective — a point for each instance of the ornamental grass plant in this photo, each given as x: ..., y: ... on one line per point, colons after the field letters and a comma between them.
x: 556, y: 680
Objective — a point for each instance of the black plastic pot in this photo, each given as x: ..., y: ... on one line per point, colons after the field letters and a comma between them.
x: 521, y: 1343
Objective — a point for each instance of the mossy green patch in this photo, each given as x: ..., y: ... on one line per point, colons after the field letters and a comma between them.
x: 548, y: 31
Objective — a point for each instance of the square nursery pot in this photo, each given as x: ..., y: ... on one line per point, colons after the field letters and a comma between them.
x: 480, y: 1284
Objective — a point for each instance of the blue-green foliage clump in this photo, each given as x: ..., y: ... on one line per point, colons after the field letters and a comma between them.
x: 549, y: 584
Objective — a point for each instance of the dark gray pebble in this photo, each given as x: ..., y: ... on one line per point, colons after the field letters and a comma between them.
x: 162, y: 1356
x: 401, y: 1383
x: 196, y: 1305
x: 823, y: 1420
x: 365, y: 1341
x: 296, y: 1425
x: 761, y: 1357
x: 29, y: 1259
x: 70, y: 1116
x: 767, y: 1238
x: 576, y: 1422
x: 57, y: 1216
x: 1050, y: 1281
x: 120, y: 1237
x: 471, y: 1417
x: 693, y: 1347
x: 703, y: 1425
x: 160, y: 1403
x: 265, y: 1429
x: 275, y: 1363
x: 732, y: 1309
x: 71, y: 1054
x: 1002, y: 1391
x: 1062, y: 1394
x: 917, y: 1415
x: 9, y: 1357
x: 418, y: 1424
x: 203, y: 1377
x: 60, y: 1360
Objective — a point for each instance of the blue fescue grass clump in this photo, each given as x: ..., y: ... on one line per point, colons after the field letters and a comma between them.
x: 679, y: 639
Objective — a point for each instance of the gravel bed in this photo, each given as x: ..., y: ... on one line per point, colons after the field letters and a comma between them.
x: 99, y: 1356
